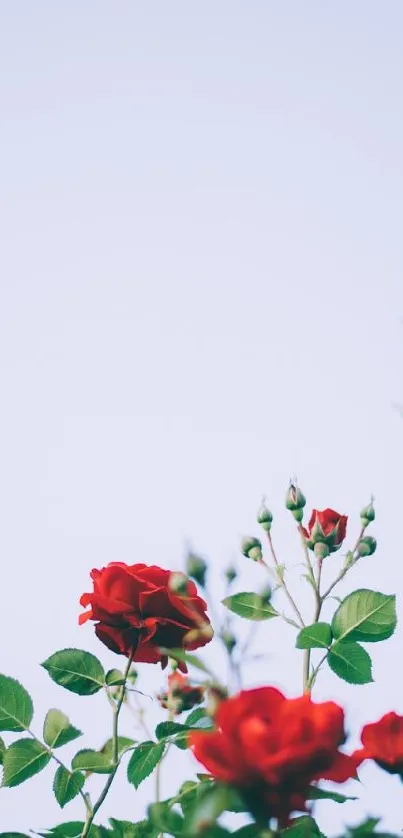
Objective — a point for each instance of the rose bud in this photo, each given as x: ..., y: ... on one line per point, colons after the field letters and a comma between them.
x: 201, y: 635
x: 230, y: 574
x: 265, y: 518
x: 367, y: 515
x: 252, y: 548
x: 229, y: 641
x: 326, y: 527
x: 178, y: 583
x: 133, y: 675
x: 321, y: 550
x: 216, y: 694
x: 366, y: 546
x: 180, y: 696
x: 266, y: 595
x: 196, y: 568
x: 294, y: 498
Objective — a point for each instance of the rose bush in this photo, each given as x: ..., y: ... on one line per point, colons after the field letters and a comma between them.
x: 264, y: 755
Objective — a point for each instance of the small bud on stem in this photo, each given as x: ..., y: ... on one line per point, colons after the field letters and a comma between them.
x: 196, y: 568
x: 265, y: 518
x: 366, y: 546
x: 252, y: 548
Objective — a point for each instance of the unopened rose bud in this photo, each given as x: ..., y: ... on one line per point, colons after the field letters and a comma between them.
x: 266, y: 595
x: 180, y: 695
x: 178, y: 583
x: 229, y: 641
x: 133, y: 675
x: 196, y: 568
x: 294, y: 499
x: 367, y: 515
x: 321, y: 550
x: 366, y: 546
x: 252, y: 548
x: 203, y: 632
x: 215, y: 696
x: 265, y: 518
x: 230, y: 574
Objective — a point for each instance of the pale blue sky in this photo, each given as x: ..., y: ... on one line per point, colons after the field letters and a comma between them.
x: 201, y: 223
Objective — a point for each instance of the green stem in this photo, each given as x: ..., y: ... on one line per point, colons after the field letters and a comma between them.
x: 51, y: 753
x: 308, y: 677
x: 158, y: 771
x: 115, y: 730
x: 345, y: 570
x: 282, y: 582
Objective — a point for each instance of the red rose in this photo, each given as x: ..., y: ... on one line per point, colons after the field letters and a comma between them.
x: 272, y: 748
x: 326, y: 527
x: 135, y: 608
x: 383, y: 742
x: 180, y: 695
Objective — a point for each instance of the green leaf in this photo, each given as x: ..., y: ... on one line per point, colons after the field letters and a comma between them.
x: 72, y: 829
x: 364, y: 615
x: 251, y: 606
x: 57, y: 730
x: 13, y: 835
x: 317, y: 636
x: 367, y: 828
x: 198, y: 718
x: 22, y: 760
x: 164, y: 818
x: 114, y: 678
x: 125, y: 829
x: 94, y: 761
x: 16, y: 708
x: 350, y: 662
x: 124, y: 744
x: 165, y: 729
x: 143, y: 761
x: 325, y: 794
x: 77, y: 671
x: 303, y: 827
x: 211, y: 801
x: 2, y: 750
x: 185, y: 657
x: 67, y: 786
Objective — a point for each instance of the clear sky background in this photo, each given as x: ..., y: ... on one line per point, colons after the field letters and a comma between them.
x: 200, y: 296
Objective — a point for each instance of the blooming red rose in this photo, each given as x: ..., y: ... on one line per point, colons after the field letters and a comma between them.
x: 272, y: 748
x: 383, y: 742
x: 326, y: 527
x: 135, y: 608
x: 180, y: 695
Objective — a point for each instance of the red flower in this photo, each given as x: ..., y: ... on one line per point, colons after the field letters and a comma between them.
x: 326, y: 527
x: 134, y: 607
x: 383, y: 742
x: 272, y: 748
x: 180, y: 695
